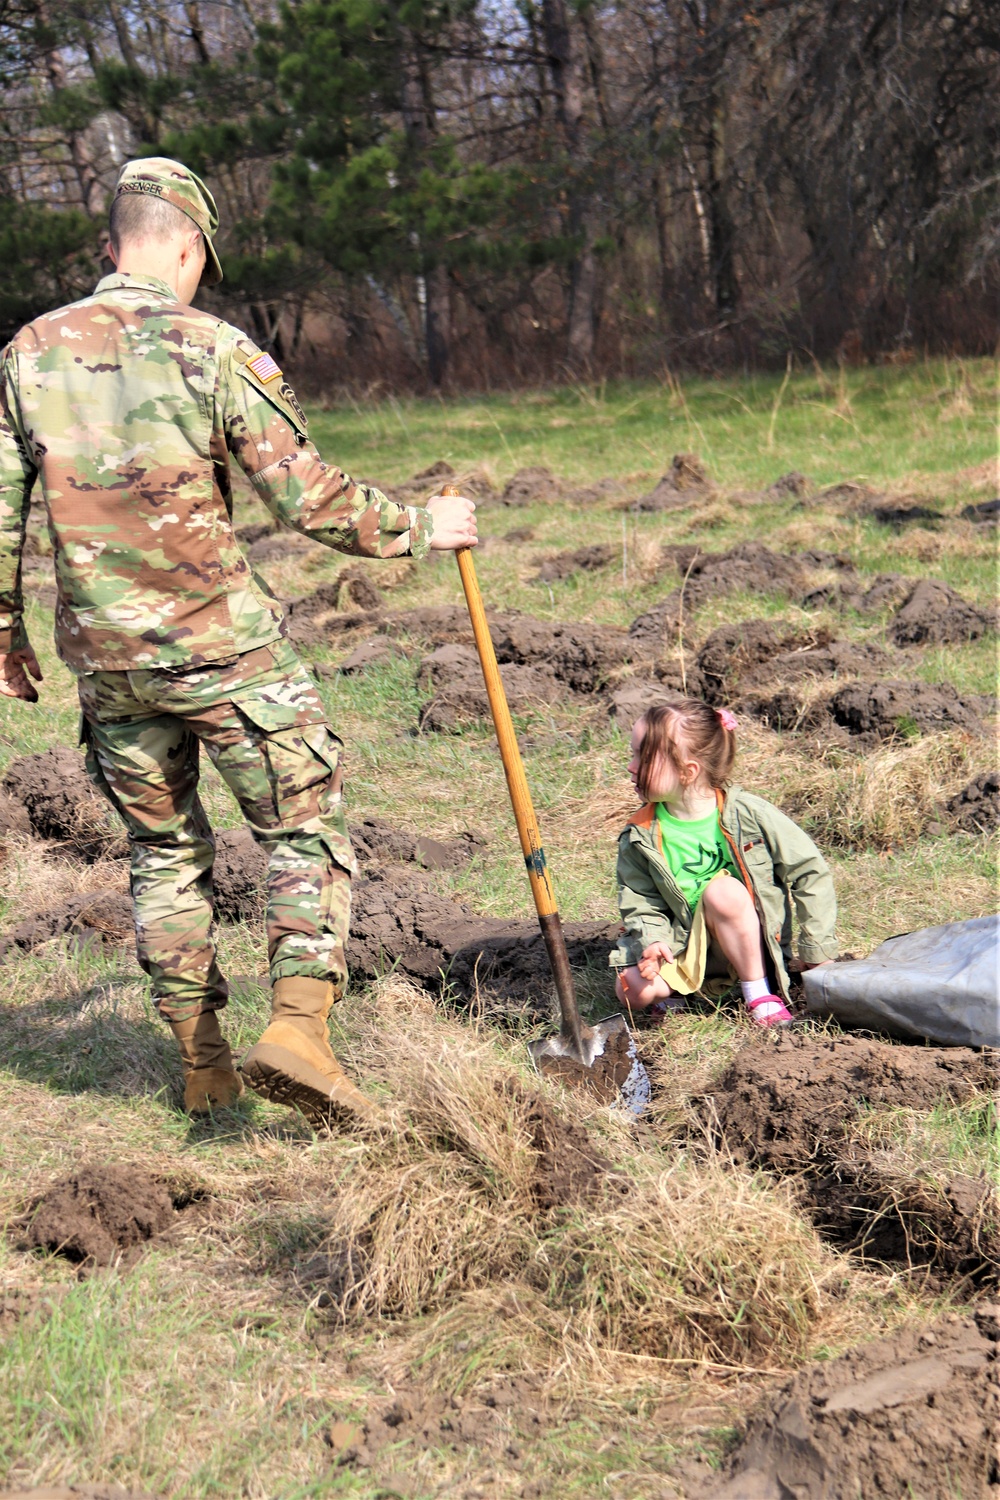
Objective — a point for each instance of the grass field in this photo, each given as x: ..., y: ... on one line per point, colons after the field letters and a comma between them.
x: 207, y: 1369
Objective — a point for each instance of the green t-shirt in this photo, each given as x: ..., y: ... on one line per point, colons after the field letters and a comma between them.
x: 695, y: 849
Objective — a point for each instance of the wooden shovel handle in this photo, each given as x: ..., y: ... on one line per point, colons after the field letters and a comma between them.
x: 520, y: 797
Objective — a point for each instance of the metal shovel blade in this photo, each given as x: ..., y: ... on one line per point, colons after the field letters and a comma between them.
x: 549, y: 1052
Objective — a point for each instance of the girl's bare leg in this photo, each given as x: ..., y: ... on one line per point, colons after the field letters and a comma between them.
x: 732, y: 920
x: 638, y: 993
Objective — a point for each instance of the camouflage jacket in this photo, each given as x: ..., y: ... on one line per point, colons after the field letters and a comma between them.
x: 127, y: 405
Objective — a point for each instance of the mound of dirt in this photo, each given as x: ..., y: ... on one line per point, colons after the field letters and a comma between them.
x: 727, y: 658
x: 581, y: 560
x: 581, y: 655
x: 789, y: 486
x: 397, y: 920
x: 630, y: 701
x: 376, y: 842
x: 684, y: 479
x: 247, y: 535
x: 898, y: 515
x: 934, y: 613
x: 61, y: 803
x: 104, y: 915
x: 100, y: 1213
x: 864, y: 593
x: 13, y: 816
x: 882, y: 710
x: 371, y: 653
x: 464, y: 699
x: 790, y: 1107
x: 783, y: 1105
x: 475, y: 483
x: 530, y: 486
x: 976, y: 808
x: 750, y: 566
x: 916, y: 1414
x: 239, y: 876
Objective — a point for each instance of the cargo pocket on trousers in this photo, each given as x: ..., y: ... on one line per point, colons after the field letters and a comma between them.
x: 305, y: 776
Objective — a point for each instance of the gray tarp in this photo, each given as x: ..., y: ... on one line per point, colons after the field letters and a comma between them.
x: 942, y: 983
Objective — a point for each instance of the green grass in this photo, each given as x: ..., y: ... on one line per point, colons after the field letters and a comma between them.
x: 869, y: 425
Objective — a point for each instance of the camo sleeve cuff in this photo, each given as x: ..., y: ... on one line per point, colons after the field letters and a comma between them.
x: 421, y: 530
x: 13, y: 637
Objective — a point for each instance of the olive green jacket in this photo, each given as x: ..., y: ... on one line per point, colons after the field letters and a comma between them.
x: 780, y: 866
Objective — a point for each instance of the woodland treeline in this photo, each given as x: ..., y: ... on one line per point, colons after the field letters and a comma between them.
x: 464, y: 193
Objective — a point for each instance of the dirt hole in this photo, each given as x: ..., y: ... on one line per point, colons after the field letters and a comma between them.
x: 794, y: 1107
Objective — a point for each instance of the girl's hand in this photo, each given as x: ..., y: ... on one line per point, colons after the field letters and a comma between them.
x: 652, y: 957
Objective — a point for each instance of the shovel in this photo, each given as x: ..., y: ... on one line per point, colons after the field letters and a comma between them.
x: 575, y: 1049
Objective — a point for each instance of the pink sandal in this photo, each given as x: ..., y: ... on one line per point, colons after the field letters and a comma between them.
x: 780, y: 1017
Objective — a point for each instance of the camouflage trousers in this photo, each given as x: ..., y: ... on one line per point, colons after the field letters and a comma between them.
x: 264, y: 728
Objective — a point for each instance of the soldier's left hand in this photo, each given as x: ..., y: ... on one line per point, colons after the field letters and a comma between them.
x: 14, y: 669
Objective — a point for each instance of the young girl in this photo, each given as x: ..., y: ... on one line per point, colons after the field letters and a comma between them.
x: 709, y: 875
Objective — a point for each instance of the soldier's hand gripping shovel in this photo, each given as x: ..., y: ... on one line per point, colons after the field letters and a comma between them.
x: 574, y: 1041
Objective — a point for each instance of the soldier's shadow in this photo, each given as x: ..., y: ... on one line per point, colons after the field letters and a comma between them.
x: 94, y: 1042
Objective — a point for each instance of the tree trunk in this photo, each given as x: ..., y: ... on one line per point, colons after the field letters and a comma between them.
x: 434, y: 292
x: 567, y: 69
x: 723, y: 231
x: 91, y: 191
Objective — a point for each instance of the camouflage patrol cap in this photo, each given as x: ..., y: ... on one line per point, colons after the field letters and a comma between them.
x: 173, y: 182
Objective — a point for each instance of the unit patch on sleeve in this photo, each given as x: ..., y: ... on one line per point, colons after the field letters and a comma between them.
x: 264, y: 367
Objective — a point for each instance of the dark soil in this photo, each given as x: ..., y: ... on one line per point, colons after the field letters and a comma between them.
x: 883, y: 710
x: 397, y: 919
x: 987, y: 511
x: 685, y: 477
x: 582, y: 559
x: 531, y: 485
x: 475, y: 483
x: 570, y: 1169
x: 913, y: 1415
x: 61, y: 803
x: 790, y: 1107
x: 582, y: 656
x: 605, y: 1078
x: 371, y: 653
x: 976, y: 808
x: 275, y: 546
x: 104, y: 915
x: 240, y: 875
x: 789, y: 486
x: 750, y: 566
x: 864, y: 593
x: 730, y: 655
x: 13, y: 816
x: 630, y: 701
x: 933, y: 613
x: 464, y: 699
x: 100, y: 1213
x: 898, y: 516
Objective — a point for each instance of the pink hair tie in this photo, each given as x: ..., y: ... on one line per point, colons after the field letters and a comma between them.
x: 727, y: 719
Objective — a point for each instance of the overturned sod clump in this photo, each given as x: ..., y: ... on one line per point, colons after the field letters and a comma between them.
x: 493, y: 1187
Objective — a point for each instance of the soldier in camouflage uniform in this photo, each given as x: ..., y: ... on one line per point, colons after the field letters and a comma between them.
x: 127, y: 407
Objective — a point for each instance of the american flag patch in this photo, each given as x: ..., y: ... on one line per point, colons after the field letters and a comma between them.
x: 264, y: 367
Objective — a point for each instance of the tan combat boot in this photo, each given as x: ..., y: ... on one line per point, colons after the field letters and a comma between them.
x: 293, y: 1063
x: 210, y: 1080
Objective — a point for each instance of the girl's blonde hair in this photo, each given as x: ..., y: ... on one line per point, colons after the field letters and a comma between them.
x: 687, y: 729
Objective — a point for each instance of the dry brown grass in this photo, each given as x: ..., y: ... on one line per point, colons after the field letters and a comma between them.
x: 36, y: 875
x: 679, y: 1258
